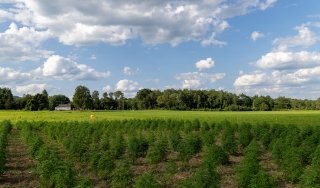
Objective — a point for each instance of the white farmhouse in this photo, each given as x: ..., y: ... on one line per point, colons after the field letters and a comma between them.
x: 63, y: 107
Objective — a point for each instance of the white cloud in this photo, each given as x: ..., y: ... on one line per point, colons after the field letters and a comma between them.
x: 107, y: 88
x: 22, y: 44
x: 280, y: 82
x: 267, y: 4
x: 205, y: 64
x: 127, y: 86
x: 32, y: 88
x: 63, y: 68
x: 196, y: 80
x: 256, y: 35
x: 129, y: 71
x: 12, y: 76
x: 93, y: 57
x: 254, y: 79
x: 289, y: 60
x: 115, y: 22
x: 305, y: 38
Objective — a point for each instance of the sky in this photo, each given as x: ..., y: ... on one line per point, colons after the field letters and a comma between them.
x: 256, y: 47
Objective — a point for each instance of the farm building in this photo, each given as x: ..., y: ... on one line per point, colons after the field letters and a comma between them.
x: 63, y: 107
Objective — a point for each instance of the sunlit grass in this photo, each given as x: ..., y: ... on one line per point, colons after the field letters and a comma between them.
x: 282, y: 117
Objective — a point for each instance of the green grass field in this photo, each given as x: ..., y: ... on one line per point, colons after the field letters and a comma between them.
x: 282, y: 117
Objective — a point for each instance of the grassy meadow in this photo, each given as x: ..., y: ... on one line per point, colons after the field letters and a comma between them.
x: 279, y: 117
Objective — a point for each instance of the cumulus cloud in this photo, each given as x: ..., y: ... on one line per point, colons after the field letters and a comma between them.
x: 288, y: 69
x: 197, y: 80
x: 32, y: 88
x: 267, y: 4
x: 22, y: 44
x: 12, y: 76
x: 205, y: 64
x: 249, y: 80
x: 304, y: 38
x: 289, y: 60
x: 127, y: 85
x: 130, y: 71
x: 256, y: 35
x: 107, y: 88
x: 62, y: 68
x: 115, y: 22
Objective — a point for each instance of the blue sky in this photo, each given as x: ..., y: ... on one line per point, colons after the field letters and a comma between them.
x: 264, y: 47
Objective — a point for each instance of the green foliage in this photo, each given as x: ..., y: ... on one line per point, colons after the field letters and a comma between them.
x: 215, y: 155
x: 137, y: 147
x: 55, y: 100
x: 189, y: 146
x: 261, y: 180
x: 228, y: 139
x: 117, y: 146
x: 249, y: 166
x: 121, y: 176
x: 119, y: 150
x: 206, y: 176
x: 157, y: 151
x: 52, y: 171
x: 82, y: 98
x: 105, y: 165
x: 245, y: 135
x: 311, y: 175
x: 146, y: 180
x: 5, y: 128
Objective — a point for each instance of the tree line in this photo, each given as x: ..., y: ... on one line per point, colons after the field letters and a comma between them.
x: 169, y: 99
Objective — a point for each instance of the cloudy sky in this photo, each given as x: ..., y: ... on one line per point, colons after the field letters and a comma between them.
x: 267, y: 47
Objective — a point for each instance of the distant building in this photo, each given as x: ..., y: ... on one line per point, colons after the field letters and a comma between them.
x: 63, y: 107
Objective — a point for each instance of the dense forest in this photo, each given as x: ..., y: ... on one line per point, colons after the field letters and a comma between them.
x: 169, y: 99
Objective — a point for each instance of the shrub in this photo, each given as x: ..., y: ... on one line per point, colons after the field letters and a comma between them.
x: 105, y: 165
x: 188, y: 147
x: 146, y: 180
x: 117, y: 146
x: 311, y: 176
x: 215, y: 155
x: 261, y: 180
x: 228, y: 139
x: 206, y: 176
x: 137, y: 147
x: 245, y: 135
x: 121, y: 175
x: 157, y: 151
x: 249, y: 166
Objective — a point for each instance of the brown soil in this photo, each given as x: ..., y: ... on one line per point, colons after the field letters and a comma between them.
x: 272, y: 168
x: 18, y: 171
x: 227, y: 172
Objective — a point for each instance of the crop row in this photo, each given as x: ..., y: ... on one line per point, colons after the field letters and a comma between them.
x: 165, y: 148
x: 5, y: 128
x: 51, y: 170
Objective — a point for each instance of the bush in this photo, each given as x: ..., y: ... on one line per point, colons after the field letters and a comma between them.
x: 261, y: 180
x: 157, y: 151
x: 311, y: 176
x: 146, y: 180
x: 206, y: 176
x: 228, y: 139
x: 245, y: 135
x: 215, y: 155
x: 249, y: 166
x: 137, y: 147
x: 105, y: 165
x: 122, y: 176
x: 188, y: 147
x: 117, y: 146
